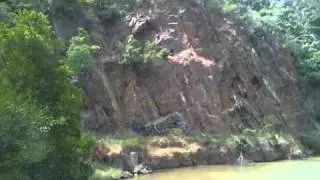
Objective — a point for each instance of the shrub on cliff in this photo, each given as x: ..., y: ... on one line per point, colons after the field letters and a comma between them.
x: 79, y: 52
x: 134, y: 53
x: 153, y: 52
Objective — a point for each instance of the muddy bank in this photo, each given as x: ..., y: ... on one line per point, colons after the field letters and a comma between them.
x: 177, y: 151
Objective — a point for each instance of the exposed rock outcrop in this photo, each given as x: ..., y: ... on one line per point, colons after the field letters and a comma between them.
x: 219, y: 77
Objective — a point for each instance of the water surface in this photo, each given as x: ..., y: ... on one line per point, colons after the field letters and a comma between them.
x: 284, y: 170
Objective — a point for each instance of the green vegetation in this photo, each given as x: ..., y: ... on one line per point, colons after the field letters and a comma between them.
x: 133, y: 143
x: 79, y: 52
x: 247, y: 140
x: 153, y: 52
x: 108, y: 11
x: 177, y: 132
x: 210, y: 4
x: 297, y: 24
x: 40, y: 107
x: 126, y: 140
x: 133, y: 52
x: 105, y: 172
x: 311, y: 141
x: 55, y: 7
x: 136, y: 54
x: 121, y: 7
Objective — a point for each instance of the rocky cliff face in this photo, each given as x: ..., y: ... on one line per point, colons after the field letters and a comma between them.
x: 219, y: 77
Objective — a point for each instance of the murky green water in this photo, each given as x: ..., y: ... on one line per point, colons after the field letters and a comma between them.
x: 283, y: 170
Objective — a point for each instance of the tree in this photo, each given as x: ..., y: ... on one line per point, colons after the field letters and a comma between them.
x: 23, y: 130
x: 40, y: 107
x: 79, y: 52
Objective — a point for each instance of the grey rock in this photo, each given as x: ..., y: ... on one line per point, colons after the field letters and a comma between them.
x: 126, y: 175
x: 139, y: 23
x: 145, y: 170
x: 296, y: 155
x: 141, y: 169
x: 138, y: 168
x: 164, y: 125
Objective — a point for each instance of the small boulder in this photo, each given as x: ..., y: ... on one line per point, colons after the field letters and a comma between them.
x: 146, y: 170
x: 296, y: 155
x: 126, y: 175
x: 142, y: 169
x: 139, y: 23
x: 138, y: 168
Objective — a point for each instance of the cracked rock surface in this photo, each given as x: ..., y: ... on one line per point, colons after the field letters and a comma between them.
x: 219, y: 77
